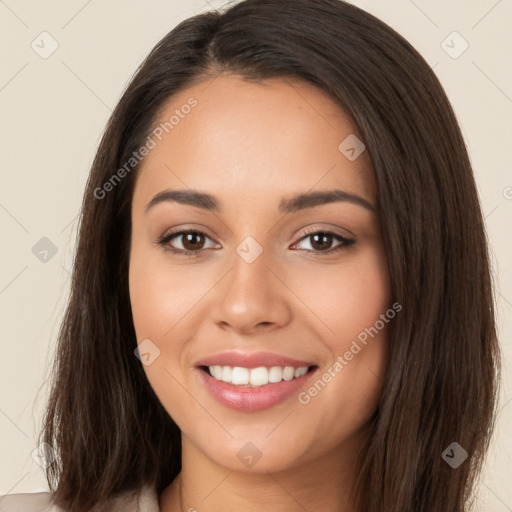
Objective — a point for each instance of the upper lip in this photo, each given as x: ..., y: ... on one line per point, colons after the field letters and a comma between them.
x: 251, y: 360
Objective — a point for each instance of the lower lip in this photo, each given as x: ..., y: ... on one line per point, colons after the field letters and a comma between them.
x: 252, y: 398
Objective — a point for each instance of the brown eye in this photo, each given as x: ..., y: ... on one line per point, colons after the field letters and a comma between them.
x: 321, y: 242
x: 191, y: 241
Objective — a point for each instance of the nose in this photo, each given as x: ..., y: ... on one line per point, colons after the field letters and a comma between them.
x: 251, y: 297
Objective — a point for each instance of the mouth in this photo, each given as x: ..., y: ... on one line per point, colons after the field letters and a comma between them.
x: 254, y: 389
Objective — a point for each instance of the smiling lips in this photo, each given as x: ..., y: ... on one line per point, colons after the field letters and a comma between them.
x: 252, y: 382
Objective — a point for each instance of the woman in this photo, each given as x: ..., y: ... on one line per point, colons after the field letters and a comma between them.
x: 281, y: 297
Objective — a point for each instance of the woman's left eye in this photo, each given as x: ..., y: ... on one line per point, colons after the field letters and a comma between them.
x: 193, y: 241
x: 323, y: 239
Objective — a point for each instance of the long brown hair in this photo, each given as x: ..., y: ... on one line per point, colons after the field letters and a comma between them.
x: 109, y: 430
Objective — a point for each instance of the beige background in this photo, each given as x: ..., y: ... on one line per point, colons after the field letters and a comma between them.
x: 53, y: 111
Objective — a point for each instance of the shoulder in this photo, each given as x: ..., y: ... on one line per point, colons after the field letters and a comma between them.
x: 145, y: 500
x: 28, y: 502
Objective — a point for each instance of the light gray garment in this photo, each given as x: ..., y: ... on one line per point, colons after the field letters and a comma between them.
x: 146, y: 501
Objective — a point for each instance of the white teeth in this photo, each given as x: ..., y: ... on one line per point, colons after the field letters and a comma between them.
x: 258, y: 376
x: 288, y: 373
x: 226, y: 373
x: 299, y: 372
x: 255, y: 377
x: 240, y: 375
x: 275, y: 374
x: 216, y: 372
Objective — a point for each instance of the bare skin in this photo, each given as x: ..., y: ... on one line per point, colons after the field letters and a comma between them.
x: 252, y: 145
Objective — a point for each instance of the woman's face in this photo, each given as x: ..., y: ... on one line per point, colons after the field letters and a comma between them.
x: 272, y: 279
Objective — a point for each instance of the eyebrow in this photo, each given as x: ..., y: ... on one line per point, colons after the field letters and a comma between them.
x: 299, y: 202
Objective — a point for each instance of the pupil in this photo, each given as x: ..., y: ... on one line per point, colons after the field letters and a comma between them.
x: 188, y: 238
x: 324, y: 244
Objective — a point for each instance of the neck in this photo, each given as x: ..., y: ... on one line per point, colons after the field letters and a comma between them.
x: 325, y: 484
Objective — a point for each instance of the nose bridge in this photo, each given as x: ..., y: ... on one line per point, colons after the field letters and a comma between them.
x: 251, y: 293
x: 251, y: 275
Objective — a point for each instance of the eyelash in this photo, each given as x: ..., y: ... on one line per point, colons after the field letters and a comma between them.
x: 164, y: 241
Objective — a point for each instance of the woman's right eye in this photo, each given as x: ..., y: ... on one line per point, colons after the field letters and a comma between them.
x: 192, y: 242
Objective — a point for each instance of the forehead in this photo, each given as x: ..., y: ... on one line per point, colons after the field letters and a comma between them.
x: 243, y: 138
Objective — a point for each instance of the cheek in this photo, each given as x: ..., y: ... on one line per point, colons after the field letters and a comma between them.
x: 151, y: 301
x: 347, y: 298
x: 161, y: 293
x: 364, y: 293
x: 159, y: 300
x: 357, y: 309
x: 362, y: 322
